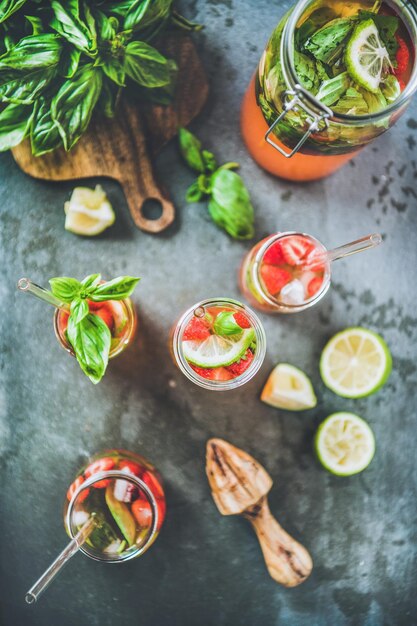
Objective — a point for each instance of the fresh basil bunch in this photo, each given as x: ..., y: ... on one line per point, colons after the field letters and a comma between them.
x: 88, y: 335
x: 59, y: 61
x: 229, y: 202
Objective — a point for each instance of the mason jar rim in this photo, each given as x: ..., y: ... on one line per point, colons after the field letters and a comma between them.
x: 258, y: 264
x: 125, y: 476
x: 291, y: 77
x: 221, y: 385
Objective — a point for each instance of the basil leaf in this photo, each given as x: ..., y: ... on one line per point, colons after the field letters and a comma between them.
x: 70, y: 61
x: 326, y: 43
x: 194, y: 193
x: 24, y: 87
x: 74, y: 103
x: 115, y: 70
x: 331, y: 90
x: 136, y: 13
x: 119, y: 8
x: 68, y: 23
x: 64, y: 288
x: 144, y: 14
x: 35, y: 51
x: 182, y: 22
x: 352, y: 103
x: 306, y: 71
x: 225, y: 324
x: 107, y: 27
x: 79, y: 310
x: 108, y: 98
x: 90, y: 339
x: 190, y: 148
x: 315, y: 21
x: 146, y: 66
x: 230, y: 206
x: 15, y: 122
x: 8, y: 7
x: 116, y: 289
x: 36, y: 23
x: 44, y: 133
x: 209, y: 160
x: 90, y: 282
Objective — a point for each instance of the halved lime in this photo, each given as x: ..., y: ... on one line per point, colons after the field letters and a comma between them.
x: 88, y: 212
x: 345, y: 444
x: 366, y: 56
x: 218, y: 351
x: 355, y: 363
x: 289, y: 388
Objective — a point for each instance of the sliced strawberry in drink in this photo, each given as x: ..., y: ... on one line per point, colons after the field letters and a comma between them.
x: 196, y: 330
x: 242, y: 320
x: 241, y: 366
x: 73, y: 488
x: 63, y: 319
x: 102, y: 465
x: 274, y: 278
x: 274, y: 255
x: 142, y: 512
x: 153, y: 484
x: 134, y: 468
x: 94, y: 306
x: 402, y: 56
x: 212, y: 373
x: 314, y: 286
x: 294, y: 248
x: 315, y: 260
x: 104, y: 313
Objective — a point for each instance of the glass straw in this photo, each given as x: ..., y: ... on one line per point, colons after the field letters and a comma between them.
x: 42, y: 583
x: 27, y: 285
x: 365, y: 243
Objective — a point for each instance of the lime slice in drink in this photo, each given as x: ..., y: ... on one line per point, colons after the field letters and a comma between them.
x: 366, y: 56
x: 355, y: 363
x: 289, y: 388
x: 88, y: 212
x: 218, y: 351
x: 344, y: 444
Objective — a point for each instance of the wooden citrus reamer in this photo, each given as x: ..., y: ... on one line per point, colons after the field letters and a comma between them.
x: 239, y: 486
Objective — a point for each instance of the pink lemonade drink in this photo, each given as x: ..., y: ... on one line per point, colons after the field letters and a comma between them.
x: 123, y: 492
x: 219, y: 344
x: 285, y: 273
x: 118, y: 315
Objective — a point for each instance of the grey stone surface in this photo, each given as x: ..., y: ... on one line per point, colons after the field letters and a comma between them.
x: 206, y: 569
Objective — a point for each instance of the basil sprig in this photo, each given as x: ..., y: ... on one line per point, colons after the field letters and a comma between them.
x: 66, y: 59
x: 225, y: 324
x: 87, y: 333
x: 229, y: 202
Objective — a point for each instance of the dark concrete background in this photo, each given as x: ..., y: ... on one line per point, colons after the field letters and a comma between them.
x: 204, y: 569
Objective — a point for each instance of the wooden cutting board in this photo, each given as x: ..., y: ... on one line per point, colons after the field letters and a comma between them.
x: 121, y: 148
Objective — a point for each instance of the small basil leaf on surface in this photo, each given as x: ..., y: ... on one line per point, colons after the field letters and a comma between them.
x: 15, y: 121
x: 90, y: 282
x: 68, y: 23
x: 8, y: 7
x: 116, y: 289
x: 145, y: 65
x: 65, y: 288
x: 194, y: 193
x: 209, y: 160
x: 190, y: 148
x: 90, y: 340
x: 225, y: 324
x: 34, y: 51
x: 44, y: 134
x: 79, y: 310
x: 74, y: 103
x: 230, y: 206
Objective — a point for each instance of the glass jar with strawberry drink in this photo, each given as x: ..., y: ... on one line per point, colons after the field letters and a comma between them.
x: 123, y: 492
x: 334, y: 76
x: 219, y: 344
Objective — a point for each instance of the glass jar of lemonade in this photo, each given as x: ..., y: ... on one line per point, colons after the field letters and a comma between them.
x: 334, y: 76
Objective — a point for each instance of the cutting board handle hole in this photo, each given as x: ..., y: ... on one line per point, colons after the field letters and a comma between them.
x: 152, y: 209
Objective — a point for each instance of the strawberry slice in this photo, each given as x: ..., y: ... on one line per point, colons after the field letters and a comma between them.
x: 294, y: 248
x: 73, y: 488
x: 153, y: 484
x: 242, y: 320
x: 105, y: 314
x: 274, y: 255
x: 94, y: 306
x: 315, y: 260
x: 402, y: 57
x: 274, y: 278
x: 196, y: 330
x: 241, y: 366
x: 102, y: 465
x: 314, y: 286
x: 142, y: 512
x: 132, y: 467
x: 212, y: 373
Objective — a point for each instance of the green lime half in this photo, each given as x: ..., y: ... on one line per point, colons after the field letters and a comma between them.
x: 289, y: 388
x: 345, y: 444
x: 218, y: 351
x: 355, y: 363
x: 366, y: 56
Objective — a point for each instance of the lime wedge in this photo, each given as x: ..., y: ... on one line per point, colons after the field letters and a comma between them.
x: 88, y: 212
x: 355, y: 363
x: 366, y: 57
x: 289, y: 388
x: 218, y: 351
x: 344, y: 444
